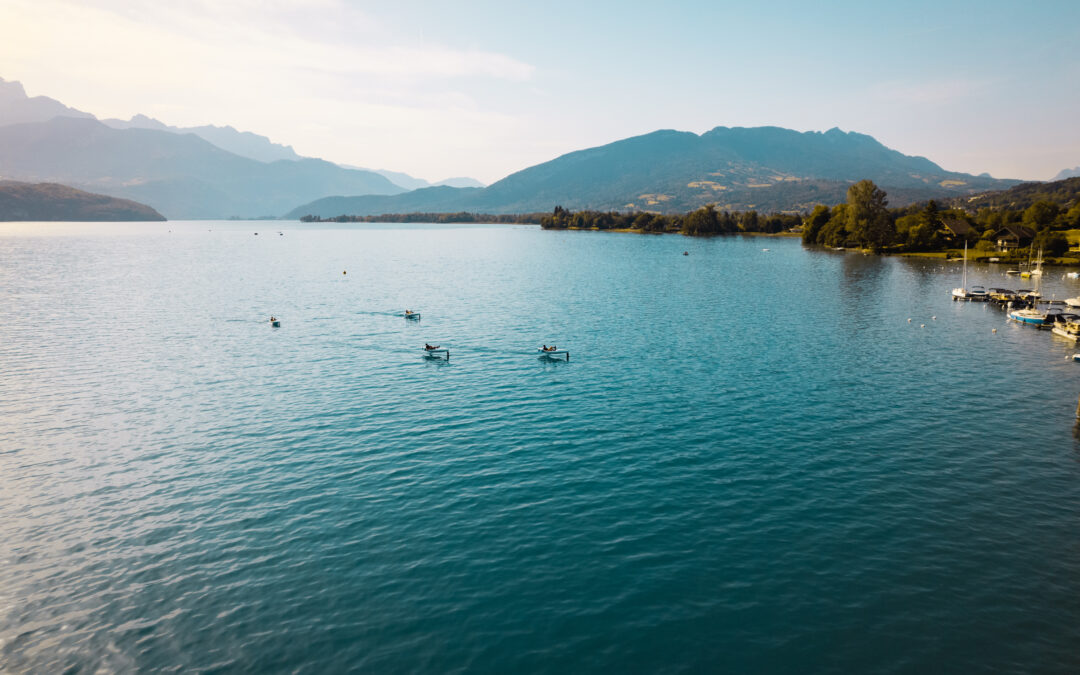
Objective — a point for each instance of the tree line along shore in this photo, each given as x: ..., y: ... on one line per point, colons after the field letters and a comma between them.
x: 1000, y: 228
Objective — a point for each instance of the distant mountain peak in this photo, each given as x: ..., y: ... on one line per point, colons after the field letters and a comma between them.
x: 1068, y: 173
x: 16, y: 107
x: 740, y: 168
x: 12, y: 88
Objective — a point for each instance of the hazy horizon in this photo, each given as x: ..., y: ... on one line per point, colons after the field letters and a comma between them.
x: 437, y: 91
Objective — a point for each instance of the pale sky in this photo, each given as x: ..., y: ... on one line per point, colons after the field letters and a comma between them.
x: 483, y: 89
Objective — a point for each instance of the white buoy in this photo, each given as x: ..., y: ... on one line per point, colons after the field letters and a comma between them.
x: 922, y: 325
x: 993, y: 330
x: 934, y: 318
x: 909, y: 320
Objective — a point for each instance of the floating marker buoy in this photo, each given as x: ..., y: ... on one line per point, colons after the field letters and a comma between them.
x: 922, y: 325
x: 909, y: 320
x: 934, y: 318
x: 993, y: 330
x: 343, y: 272
x: 686, y: 252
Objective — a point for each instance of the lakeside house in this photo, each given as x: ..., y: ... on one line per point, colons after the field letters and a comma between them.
x: 1012, y: 237
x: 956, y: 229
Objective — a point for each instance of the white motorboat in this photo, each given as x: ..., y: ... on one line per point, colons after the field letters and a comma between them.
x: 1068, y: 330
x: 554, y: 353
x: 1073, y: 302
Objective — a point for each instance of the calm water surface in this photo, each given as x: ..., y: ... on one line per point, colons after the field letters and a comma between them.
x: 752, y: 461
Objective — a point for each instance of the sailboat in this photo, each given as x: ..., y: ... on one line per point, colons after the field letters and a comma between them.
x: 1037, y: 272
x: 1033, y: 316
x: 965, y: 293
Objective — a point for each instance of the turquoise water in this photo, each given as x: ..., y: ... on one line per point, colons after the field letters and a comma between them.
x: 751, y: 462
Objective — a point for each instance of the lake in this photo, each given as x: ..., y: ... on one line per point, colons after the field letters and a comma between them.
x: 752, y: 461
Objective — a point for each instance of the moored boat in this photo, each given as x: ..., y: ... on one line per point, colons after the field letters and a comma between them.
x: 1033, y: 316
x: 1068, y: 330
x: 977, y: 293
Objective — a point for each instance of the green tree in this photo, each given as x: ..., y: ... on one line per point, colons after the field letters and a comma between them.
x: 1040, y: 214
x: 1052, y: 243
x: 868, y: 215
x: 813, y: 223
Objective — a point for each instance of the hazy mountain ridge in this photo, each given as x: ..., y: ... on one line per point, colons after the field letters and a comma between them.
x: 181, y: 175
x: 16, y: 107
x: 763, y: 168
x: 1068, y: 173
x: 187, y: 192
x: 243, y: 143
x: 53, y: 202
x: 408, y: 182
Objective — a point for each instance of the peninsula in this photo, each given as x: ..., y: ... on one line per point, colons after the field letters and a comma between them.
x: 52, y: 201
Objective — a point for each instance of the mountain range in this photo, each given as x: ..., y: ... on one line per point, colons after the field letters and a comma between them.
x: 180, y: 175
x: 762, y: 168
x: 185, y: 178
x: 1068, y: 173
x: 216, y: 172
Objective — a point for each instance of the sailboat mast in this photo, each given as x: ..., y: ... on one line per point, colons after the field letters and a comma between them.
x: 963, y: 283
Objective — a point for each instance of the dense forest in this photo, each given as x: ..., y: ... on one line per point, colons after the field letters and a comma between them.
x: 866, y: 221
x: 704, y: 221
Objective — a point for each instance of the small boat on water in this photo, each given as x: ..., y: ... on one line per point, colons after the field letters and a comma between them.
x: 275, y: 322
x: 1013, y: 272
x: 409, y: 314
x: 553, y: 353
x: 436, y: 352
x: 1072, y: 275
x: 975, y: 293
x: 1076, y: 357
x: 1033, y: 316
x: 1073, y: 302
x: 1001, y: 295
x: 1069, y: 328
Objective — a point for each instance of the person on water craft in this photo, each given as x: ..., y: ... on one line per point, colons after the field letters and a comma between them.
x: 430, y: 347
